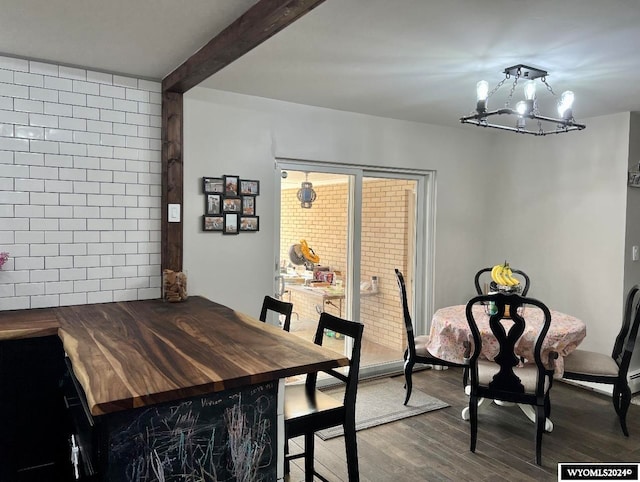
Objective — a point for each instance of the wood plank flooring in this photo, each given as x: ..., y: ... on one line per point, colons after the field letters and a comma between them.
x: 435, y: 446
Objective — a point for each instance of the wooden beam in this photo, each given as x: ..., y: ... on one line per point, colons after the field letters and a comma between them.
x: 260, y: 22
x: 264, y: 19
x: 172, y: 178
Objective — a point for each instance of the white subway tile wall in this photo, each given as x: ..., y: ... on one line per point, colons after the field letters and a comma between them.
x: 80, y: 186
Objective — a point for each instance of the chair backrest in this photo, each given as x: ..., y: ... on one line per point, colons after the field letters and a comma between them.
x: 525, y: 288
x: 507, y: 332
x: 626, y: 339
x: 353, y: 329
x: 279, y: 306
x: 408, y: 324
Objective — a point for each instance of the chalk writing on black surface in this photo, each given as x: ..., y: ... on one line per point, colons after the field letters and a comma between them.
x: 220, y: 437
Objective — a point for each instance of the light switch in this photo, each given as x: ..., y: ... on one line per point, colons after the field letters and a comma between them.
x: 174, y: 213
x: 634, y: 253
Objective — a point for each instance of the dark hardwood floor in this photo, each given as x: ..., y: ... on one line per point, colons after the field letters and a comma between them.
x: 435, y: 446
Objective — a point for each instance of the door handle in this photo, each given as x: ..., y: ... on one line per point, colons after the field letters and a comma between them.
x: 280, y: 289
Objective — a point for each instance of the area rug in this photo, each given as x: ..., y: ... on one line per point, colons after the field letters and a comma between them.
x: 381, y: 401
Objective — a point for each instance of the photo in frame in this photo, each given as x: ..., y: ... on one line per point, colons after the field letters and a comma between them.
x: 249, y: 187
x: 212, y: 223
x: 214, y: 204
x: 231, y: 186
x: 230, y: 223
x: 249, y: 223
x: 232, y: 205
x: 213, y: 185
x: 249, y: 205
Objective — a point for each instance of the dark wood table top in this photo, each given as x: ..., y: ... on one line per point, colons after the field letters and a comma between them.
x: 136, y: 353
x: 18, y: 324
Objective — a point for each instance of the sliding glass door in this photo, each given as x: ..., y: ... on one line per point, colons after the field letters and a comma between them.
x: 358, y: 225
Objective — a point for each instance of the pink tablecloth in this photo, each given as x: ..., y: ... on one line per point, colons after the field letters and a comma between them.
x: 449, y: 329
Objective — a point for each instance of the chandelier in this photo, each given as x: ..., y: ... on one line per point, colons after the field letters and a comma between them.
x: 306, y: 194
x: 526, y: 109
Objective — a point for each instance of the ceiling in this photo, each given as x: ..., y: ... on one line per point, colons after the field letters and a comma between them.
x: 417, y: 60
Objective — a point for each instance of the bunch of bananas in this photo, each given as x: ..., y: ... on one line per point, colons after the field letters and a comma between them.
x: 502, y: 275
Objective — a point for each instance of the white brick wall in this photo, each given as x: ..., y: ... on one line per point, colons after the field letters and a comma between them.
x: 79, y: 186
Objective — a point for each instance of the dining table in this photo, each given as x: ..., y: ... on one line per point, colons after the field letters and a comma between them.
x: 450, y: 331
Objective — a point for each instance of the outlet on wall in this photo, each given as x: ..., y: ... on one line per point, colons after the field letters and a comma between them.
x: 634, y: 253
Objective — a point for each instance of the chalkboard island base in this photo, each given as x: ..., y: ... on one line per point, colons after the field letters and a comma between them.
x: 225, y: 436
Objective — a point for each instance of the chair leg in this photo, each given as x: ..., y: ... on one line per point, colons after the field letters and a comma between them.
x: 616, y: 398
x: 547, y: 406
x: 540, y: 423
x: 408, y: 369
x: 465, y: 377
x: 309, y: 454
x: 287, y: 462
x: 473, y: 421
x: 625, y: 401
x: 351, y: 447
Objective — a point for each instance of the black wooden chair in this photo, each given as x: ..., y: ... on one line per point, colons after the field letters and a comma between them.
x: 505, y: 378
x: 600, y: 368
x: 307, y: 410
x: 278, y: 306
x: 519, y: 273
x: 416, y: 351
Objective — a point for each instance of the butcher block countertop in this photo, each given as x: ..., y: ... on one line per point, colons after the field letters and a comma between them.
x: 137, y: 353
x: 20, y: 324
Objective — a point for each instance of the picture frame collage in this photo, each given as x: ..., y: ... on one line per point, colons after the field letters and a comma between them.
x: 230, y: 204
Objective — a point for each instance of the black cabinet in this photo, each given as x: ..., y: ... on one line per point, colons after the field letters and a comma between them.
x: 34, y: 442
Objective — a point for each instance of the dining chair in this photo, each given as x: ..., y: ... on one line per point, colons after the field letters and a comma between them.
x: 416, y: 351
x: 307, y: 409
x: 506, y: 378
x: 611, y: 369
x: 277, y: 306
x: 520, y: 273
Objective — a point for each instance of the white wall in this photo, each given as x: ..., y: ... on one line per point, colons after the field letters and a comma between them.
x: 80, y: 186
x: 632, y: 268
x: 233, y: 134
x: 555, y: 206
x: 558, y: 211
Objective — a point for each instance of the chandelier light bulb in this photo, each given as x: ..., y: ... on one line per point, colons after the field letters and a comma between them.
x: 482, y: 90
x: 566, y: 103
x: 530, y: 90
x: 521, y: 107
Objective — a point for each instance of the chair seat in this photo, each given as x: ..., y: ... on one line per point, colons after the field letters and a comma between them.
x: 421, y: 346
x: 527, y: 374
x: 591, y: 363
x: 300, y: 404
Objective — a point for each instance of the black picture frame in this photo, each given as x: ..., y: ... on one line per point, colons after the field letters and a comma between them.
x: 248, y: 205
x: 249, y: 187
x: 232, y: 204
x: 231, y: 185
x: 231, y: 224
x: 213, y: 204
x: 212, y: 185
x: 212, y: 223
x: 249, y: 223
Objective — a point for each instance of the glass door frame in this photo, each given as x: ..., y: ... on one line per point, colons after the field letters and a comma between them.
x: 423, y: 279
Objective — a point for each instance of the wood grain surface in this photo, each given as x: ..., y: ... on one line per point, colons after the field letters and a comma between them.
x: 16, y: 324
x: 136, y: 353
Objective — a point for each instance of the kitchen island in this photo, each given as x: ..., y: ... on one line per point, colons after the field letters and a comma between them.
x: 159, y: 388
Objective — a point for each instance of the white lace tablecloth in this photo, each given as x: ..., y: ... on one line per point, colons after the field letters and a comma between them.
x: 449, y: 330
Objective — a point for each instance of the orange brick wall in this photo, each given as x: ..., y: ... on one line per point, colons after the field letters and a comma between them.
x: 385, y: 241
